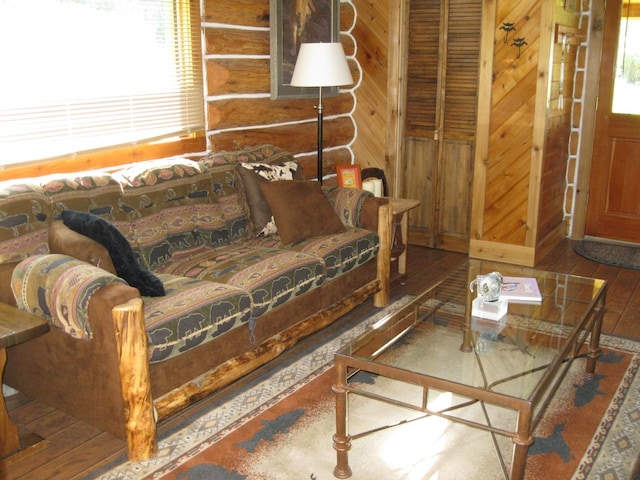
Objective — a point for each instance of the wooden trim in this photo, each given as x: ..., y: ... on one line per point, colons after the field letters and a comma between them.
x: 547, y: 32
x: 103, y: 159
x: 502, y: 252
x: 397, y: 90
x: 131, y: 345
x: 485, y: 79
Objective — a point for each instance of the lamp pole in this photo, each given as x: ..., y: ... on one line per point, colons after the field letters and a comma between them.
x: 319, y: 107
x: 321, y: 65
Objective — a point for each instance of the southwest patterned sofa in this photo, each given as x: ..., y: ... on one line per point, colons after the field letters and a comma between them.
x: 123, y: 358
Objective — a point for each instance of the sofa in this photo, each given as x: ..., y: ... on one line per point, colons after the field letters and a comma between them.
x: 166, y: 280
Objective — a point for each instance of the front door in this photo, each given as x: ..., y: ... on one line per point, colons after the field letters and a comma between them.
x: 613, y: 210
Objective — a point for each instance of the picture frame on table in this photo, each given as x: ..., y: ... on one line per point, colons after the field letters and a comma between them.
x: 349, y: 176
x: 293, y: 22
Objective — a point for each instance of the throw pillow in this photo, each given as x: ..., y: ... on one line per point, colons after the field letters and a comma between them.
x: 249, y: 176
x: 301, y: 210
x: 124, y: 261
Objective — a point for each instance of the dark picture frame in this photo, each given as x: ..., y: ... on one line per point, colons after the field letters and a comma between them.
x: 320, y: 20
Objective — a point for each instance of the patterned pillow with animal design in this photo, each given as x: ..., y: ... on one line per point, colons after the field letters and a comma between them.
x: 248, y: 178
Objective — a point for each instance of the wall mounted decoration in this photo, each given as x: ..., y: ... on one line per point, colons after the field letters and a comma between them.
x: 507, y: 27
x: 519, y: 43
x: 293, y: 22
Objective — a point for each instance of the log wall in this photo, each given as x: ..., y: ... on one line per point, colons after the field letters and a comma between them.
x: 240, y: 111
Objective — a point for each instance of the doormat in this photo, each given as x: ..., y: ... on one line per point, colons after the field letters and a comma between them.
x: 624, y: 256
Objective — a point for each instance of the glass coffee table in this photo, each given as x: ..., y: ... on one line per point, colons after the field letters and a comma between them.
x: 513, y: 365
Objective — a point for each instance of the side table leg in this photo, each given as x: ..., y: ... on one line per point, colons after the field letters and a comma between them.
x: 404, y: 233
x: 341, y: 440
x: 9, y: 439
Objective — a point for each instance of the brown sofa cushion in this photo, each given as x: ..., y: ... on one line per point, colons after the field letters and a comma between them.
x: 65, y: 241
x: 300, y: 210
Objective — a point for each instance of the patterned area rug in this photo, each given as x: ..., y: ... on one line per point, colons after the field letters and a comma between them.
x: 624, y: 256
x: 281, y: 428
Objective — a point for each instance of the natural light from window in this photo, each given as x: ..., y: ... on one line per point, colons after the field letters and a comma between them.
x: 626, y: 93
x: 86, y: 74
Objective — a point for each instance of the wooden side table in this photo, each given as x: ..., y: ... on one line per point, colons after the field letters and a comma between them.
x: 400, y: 231
x: 16, y: 326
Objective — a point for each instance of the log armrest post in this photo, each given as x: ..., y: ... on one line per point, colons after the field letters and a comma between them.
x: 131, y: 344
x: 385, y: 221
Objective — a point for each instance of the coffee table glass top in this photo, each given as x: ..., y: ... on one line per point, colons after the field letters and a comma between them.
x: 519, y: 356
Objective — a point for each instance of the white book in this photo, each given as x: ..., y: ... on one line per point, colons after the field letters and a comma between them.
x: 521, y: 290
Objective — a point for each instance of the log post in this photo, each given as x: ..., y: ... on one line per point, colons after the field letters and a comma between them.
x: 131, y: 344
x: 385, y: 217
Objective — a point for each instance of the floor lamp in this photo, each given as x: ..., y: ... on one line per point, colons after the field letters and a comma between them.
x: 321, y: 65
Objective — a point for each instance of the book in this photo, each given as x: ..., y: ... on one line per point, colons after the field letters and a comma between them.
x: 521, y: 290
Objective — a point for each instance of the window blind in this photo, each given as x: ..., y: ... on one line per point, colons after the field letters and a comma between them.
x: 81, y: 75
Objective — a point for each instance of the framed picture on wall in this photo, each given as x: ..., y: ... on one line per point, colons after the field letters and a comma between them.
x: 293, y: 22
x: 349, y: 176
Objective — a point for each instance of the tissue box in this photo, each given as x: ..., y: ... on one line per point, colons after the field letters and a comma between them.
x: 489, y: 310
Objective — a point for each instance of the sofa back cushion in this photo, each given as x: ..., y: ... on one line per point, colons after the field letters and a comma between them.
x: 24, y: 220
x: 172, y: 207
x: 95, y: 192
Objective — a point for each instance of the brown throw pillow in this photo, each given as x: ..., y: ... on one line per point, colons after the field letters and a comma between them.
x: 249, y: 176
x: 300, y: 210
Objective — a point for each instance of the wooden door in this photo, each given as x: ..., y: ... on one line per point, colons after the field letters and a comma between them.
x: 442, y: 78
x: 613, y: 210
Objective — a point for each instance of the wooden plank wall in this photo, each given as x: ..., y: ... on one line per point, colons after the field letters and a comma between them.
x: 239, y: 107
x: 523, y: 135
x: 511, y: 128
x: 551, y: 221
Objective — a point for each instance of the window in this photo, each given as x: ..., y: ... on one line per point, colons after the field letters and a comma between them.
x: 80, y: 75
x: 626, y: 92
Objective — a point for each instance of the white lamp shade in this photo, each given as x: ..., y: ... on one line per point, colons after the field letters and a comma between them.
x: 321, y: 65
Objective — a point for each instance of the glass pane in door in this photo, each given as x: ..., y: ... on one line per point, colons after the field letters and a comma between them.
x: 626, y: 93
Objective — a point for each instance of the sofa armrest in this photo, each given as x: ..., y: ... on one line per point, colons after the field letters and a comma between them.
x: 65, y: 241
x: 59, y: 287
x: 355, y: 207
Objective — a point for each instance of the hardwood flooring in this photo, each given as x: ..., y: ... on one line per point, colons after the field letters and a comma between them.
x: 73, y: 450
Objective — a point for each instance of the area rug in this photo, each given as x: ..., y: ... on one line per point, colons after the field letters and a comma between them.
x: 625, y: 256
x: 281, y: 428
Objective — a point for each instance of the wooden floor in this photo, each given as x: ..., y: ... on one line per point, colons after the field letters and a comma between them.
x: 72, y: 449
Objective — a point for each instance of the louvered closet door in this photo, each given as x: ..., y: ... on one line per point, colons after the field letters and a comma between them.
x: 444, y: 37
